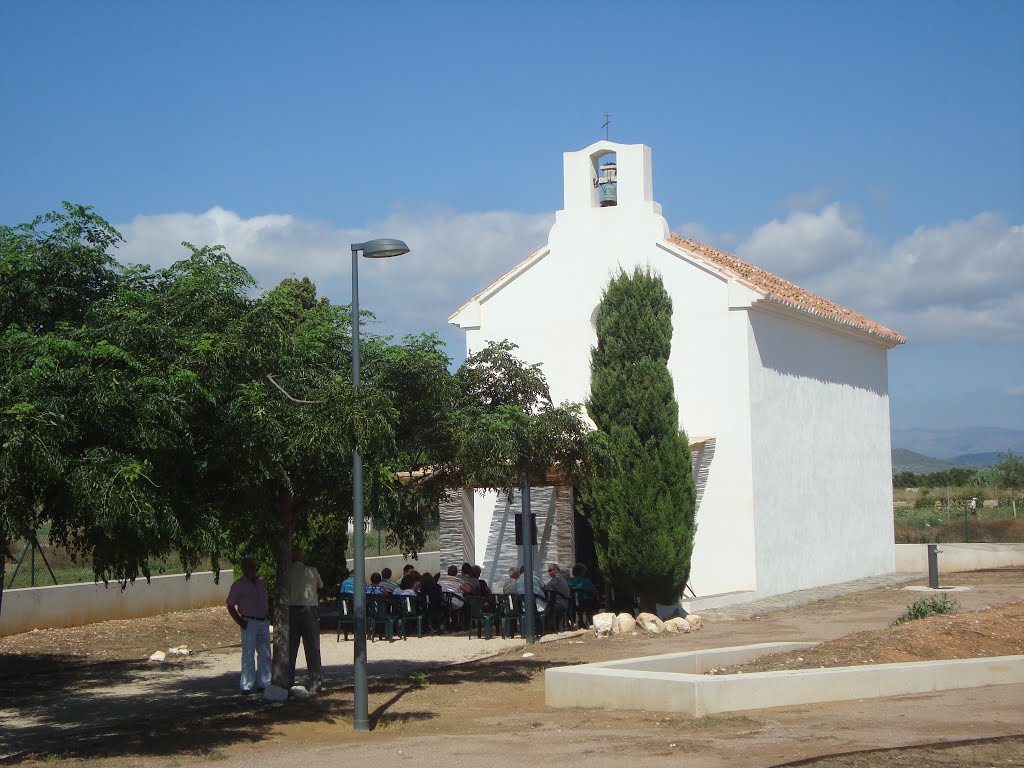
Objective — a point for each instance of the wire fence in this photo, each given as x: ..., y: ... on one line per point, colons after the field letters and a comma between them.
x: 38, y: 563
x: 959, y: 524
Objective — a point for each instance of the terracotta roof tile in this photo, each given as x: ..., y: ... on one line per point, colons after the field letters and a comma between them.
x: 781, y: 291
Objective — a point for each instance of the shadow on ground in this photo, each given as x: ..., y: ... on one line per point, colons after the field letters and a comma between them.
x: 52, y: 706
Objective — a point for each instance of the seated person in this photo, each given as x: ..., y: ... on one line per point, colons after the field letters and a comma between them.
x: 558, y: 586
x: 348, y: 584
x: 579, y: 579
x: 451, y: 584
x: 373, y: 588
x: 470, y: 579
x: 431, y: 596
x: 538, y: 590
x: 509, y: 586
x: 407, y: 586
x: 387, y: 586
x: 484, y: 589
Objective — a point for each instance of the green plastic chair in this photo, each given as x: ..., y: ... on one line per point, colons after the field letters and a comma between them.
x: 482, y: 618
x: 409, y: 609
x: 346, y: 617
x: 508, y: 615
x: 582, y: 606
x: 381, y: 617
x: 539, y: 620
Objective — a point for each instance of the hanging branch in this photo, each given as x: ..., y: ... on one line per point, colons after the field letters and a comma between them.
x: 294, y: 400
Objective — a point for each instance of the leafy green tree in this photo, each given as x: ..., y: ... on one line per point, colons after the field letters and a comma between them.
x: 507, y: 427
x: 508, y: 433
x: 1010, y: 471
x: 147, y: 411
x: 415, y: 375
x: 641, y: 498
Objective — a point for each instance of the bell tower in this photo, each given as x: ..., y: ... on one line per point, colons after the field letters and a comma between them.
x: 606, y: 182
x: 606, y: 175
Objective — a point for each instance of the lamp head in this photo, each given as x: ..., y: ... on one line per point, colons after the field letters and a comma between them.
x: 381, y: 249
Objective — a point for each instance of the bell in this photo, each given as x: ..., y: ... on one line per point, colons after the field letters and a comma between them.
x: 609, y: 195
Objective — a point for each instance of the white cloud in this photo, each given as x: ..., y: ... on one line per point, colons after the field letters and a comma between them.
x: 1015, y: 391
x: 806, y: 243
x: 453, y: 256
x: 960, y: 280
x: 963, y: 279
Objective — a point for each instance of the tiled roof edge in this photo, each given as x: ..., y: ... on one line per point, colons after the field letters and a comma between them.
x: 773, y: 288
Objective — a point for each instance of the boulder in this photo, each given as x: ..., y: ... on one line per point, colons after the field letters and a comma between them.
x: 695, y: 621
x: 648, y: 622
x: 625, y: 624
x: 158, y: 656
x: 275, y: 693
x: 678, y: 624
x: 299, y: 692
x: 604, y: 624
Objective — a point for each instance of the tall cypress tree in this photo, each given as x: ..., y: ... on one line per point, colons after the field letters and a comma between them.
x: 641, y: 500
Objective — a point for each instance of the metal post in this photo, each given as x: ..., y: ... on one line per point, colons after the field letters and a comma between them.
x: 360, y: 704
x: 529, y: 602
x: 933, y: 566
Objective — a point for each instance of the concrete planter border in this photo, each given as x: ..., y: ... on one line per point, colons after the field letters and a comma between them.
x: 678, y: 682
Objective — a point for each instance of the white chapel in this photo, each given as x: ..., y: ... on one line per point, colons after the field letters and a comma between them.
x: 783, y: 394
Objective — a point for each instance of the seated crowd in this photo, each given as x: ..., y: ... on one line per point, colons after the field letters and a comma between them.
x: 443, y: 599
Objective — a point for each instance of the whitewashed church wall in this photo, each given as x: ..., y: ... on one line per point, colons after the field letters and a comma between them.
x: 548, y: 310
x: 821, y: 459
x: 709, y: 368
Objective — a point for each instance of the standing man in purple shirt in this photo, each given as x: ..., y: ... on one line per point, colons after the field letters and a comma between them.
x: 247, y: 604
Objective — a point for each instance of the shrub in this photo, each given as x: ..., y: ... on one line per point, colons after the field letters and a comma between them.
x: 924, y: 501
x: 930, y: 606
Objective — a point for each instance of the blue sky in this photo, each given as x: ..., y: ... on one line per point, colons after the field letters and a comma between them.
x: 872, y: 152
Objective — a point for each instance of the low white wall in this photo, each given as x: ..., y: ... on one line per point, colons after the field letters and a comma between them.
x: 427, y: 561
x: 72, y: 605
x: 913, y: 558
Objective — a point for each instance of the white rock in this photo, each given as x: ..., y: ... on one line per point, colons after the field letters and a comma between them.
x: 604, y: 624
x: 527, y: 655
x: 625, y: 624
x: 648, y: 622
x: 275, y: 693
x: 299, y: 692
x: 158, y: 656
x: 678, y: 624
x: 695, y: 621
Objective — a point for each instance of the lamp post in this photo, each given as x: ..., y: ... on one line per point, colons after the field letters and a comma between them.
x: 373, y: 249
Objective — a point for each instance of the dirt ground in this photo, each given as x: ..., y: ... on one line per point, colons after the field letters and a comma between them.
x: 493, y: 710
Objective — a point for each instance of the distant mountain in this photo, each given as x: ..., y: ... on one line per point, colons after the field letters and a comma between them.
x: 908, y: 461
x: 977, y: 459
x: 951, y: 444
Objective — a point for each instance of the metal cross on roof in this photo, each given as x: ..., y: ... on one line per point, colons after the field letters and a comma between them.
x: 607, y: 122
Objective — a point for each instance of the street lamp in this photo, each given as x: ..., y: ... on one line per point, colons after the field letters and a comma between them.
x: 373, y: 249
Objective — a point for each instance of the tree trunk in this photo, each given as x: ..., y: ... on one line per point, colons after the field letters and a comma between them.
x: 5, y: 545
x: 286, y: 515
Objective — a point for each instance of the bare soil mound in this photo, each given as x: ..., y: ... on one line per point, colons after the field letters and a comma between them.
x: 988, y: 632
